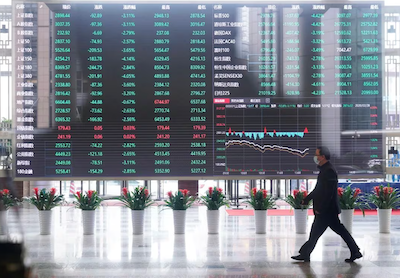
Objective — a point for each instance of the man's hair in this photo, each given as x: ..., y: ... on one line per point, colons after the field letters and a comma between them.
x: 324, y: 151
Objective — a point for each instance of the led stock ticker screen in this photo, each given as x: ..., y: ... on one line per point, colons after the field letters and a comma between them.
x: 196, y: 90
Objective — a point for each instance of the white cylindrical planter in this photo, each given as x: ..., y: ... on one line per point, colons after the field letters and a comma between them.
x: 384, y: 217
x: 179, y: 221
x: 300, y: 220
x: 213, y: 221
x: 45, y: 220
x: 260, y: 221
x: 137, y: 221
x: 3, y: 222
x: 88, y: 221
x: 346, y: 217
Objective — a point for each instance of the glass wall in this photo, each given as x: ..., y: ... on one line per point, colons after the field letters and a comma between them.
x: 68, y: 188
x: 112, y: 188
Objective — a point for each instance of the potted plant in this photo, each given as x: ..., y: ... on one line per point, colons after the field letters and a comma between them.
x: 44, y: 201
x: 213, y: 200
x: 88, y: 202
x: 179, y: 203
x: 350, y: 199
x: 300, y: 209
x: 137, y: 200
x: 385, y: 199
x: 260, y: 201
x: 6, y: 201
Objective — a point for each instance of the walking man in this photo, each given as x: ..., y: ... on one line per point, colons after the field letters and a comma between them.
x: 326, y: 209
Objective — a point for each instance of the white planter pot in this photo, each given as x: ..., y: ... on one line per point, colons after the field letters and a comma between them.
x: 300, y: 220
x: 179, y: 221
x: 88, y: 221
x: 260, y: 221
x: 137, y: 221
x: 384, y: 217
x: 45, y: 221
x: 213, y: 221
x: 346, y: 217
x: 3, y: 222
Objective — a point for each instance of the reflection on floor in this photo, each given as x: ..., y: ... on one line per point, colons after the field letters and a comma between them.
x: 236, y: 252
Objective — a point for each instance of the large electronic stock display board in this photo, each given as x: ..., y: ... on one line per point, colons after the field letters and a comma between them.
x: 161, y: 90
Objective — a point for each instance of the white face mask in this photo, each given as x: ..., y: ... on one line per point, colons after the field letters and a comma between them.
x: 316, y: 160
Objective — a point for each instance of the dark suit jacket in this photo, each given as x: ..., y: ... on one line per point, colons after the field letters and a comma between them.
x: 325, y: 196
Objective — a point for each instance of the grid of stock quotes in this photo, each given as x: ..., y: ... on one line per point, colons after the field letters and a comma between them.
x: 196, y: 90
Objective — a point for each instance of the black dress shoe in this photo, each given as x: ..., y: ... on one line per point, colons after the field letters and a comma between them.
x: 353, y: 257
x: 301, y: 258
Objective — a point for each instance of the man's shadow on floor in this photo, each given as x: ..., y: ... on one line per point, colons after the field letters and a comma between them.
x: 347, y: 270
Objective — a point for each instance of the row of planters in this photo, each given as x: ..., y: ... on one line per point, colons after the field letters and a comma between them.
x: 384, y: 198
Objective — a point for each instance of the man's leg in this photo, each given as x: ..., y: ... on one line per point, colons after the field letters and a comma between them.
x: 317, y: 229
x: 341, y: 230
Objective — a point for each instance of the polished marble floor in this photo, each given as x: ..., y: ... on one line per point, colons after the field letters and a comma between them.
x: 235, y: 252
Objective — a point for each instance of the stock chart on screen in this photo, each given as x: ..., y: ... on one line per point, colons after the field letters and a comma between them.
x: 196, y: 90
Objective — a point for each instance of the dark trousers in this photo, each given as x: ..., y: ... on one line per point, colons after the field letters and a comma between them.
x: 321, y: 223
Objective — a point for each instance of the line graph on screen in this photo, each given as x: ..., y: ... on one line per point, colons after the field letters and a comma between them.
x: 267, y: 147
